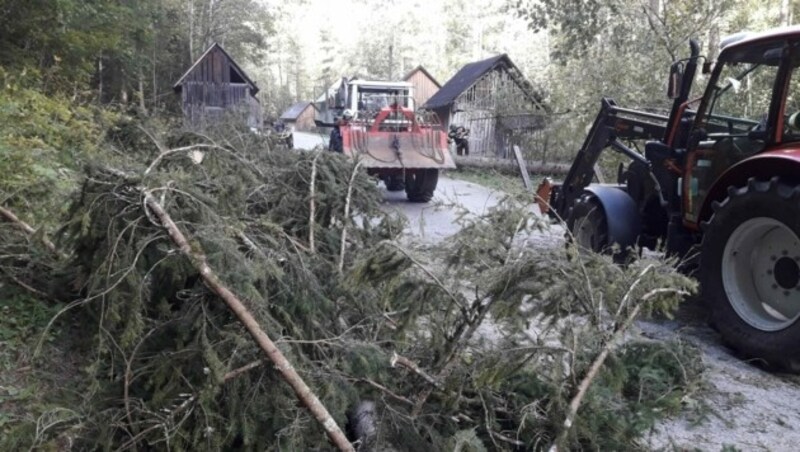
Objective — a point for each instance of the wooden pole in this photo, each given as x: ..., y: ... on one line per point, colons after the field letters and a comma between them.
x: 523, y: 168
x: 287, y: 371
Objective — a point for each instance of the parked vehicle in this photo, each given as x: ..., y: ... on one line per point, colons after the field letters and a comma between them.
x: 378, y: 123
x: 718, y: 185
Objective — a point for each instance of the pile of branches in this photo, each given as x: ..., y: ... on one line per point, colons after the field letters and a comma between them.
x: 222, y: 282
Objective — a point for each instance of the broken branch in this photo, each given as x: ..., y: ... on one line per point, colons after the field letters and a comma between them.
x: 287, y: 371
x: 346, y: 215
x: 598, y: 362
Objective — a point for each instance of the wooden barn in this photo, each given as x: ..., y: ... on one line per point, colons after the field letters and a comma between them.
x: 300, y: 116
x: 214, y: 87
x: 494, y: 100
x: 425, y: 85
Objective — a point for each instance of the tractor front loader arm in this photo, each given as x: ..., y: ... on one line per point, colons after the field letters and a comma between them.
x: 612, y: 125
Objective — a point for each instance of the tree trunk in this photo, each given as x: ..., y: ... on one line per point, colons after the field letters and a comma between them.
x: 154, y: 63
x: 786, y: 15
x: 191, y: 31
x: 100, y: 79
x: 140, y: 93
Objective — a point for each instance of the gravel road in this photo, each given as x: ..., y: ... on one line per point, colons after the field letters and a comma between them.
x: 745, y: 406
x: 307, y: 141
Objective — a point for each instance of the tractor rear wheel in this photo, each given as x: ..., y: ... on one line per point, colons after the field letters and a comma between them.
x: 750, y: 271
x: 421, y: 183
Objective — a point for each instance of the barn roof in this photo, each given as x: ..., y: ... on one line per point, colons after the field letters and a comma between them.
x: 295, y: 110
x: 179, y: 83
x: 424, y: 71
x: 468, y: 75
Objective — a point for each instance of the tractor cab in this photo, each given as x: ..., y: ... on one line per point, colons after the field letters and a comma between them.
x: 750, y: 110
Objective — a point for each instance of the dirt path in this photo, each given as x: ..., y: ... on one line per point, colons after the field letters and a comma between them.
x: 740, y: 405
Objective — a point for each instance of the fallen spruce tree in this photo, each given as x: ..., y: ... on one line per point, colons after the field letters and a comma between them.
x: 237, y: 296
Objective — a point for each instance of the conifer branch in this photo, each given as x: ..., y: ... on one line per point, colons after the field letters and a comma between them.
x: 287, y: 371
x: 236, y: 372
x: 412, y: 366
x: 598, y: 362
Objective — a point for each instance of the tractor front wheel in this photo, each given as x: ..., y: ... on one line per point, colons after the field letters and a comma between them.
x: 421, y: 183
x: 587, y: 224
x: 750, y: 271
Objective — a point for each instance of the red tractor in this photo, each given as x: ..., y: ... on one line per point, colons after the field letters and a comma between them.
x: 718, y: 185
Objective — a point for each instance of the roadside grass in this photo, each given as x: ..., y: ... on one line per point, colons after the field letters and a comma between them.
x: 497, y: 180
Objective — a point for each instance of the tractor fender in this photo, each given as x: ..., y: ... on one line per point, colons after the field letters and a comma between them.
x: 783, y: 163
x: 622, y: 214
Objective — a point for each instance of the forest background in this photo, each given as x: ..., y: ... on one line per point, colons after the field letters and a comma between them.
x: 131, y: 52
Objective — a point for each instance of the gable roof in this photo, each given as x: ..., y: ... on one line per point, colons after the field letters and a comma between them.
x: 424, y: 71
x: 296, y: 110
x: 468, y: 75
x: 179, y: 83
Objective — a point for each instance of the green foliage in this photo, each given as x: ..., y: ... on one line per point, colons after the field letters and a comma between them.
x: 22, y: 317
x: 58, y: 40
x: 43, y: 139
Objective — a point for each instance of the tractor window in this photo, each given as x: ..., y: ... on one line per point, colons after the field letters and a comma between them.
x: 741, y: 99
x: 791, y: 119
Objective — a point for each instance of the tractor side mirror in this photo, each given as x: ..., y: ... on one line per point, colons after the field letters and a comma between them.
x: 675, y: 80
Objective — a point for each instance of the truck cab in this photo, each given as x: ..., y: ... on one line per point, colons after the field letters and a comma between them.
x: 363, y: 99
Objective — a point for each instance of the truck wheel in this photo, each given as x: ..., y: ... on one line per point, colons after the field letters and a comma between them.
x: 394, y: 182
x: 421, y: 183
x: 750, y: 271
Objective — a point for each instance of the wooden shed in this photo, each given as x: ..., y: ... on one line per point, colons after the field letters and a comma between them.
x: 495, y: 101
x: 425, y: 85
x: 215, y: 86
x: 300, y: 116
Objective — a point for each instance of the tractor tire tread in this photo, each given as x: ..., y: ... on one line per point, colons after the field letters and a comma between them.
x: 778, y: 349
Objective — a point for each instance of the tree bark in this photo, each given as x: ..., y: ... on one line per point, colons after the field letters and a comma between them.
x: 287, y: 371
